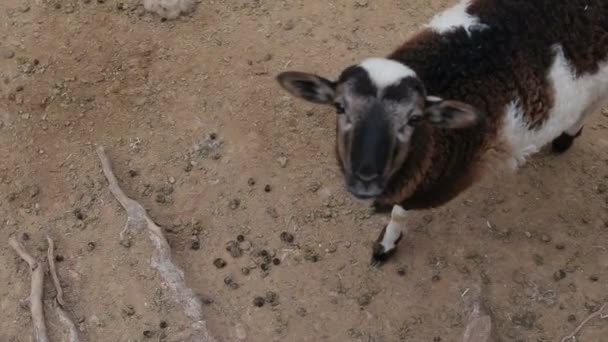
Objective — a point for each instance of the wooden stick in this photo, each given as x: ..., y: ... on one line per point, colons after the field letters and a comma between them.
x: 36, y: 290
x: 137, y: 218
x: 59, y: 302
x: 598, y: 313
x: 53, y: 271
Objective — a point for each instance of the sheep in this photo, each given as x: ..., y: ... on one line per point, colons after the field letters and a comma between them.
x: 484, y: 79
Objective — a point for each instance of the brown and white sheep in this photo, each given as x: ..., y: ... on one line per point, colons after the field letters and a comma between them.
x: 416, y: 128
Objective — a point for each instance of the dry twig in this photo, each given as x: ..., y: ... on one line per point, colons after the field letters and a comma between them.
x: 59, y: 302
x: 137, y: 218
x: 598, y: 313
x: 36, y: 293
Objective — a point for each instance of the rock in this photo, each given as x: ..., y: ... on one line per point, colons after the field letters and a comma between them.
x: 233, y: 248
x: 559, y: 275
x: 282, y: 161
x: 364, y: 300
x: 234, y: 203
x: 245, y: 245
x: 286, y: 237
x: 239, y: 332
x: 271, y: 298
x: 219, y: 263
x: 301, y: 312
x: 128, y: 310
x: 272, y: 212
x: 361, y: 3
x: 6, y: 53
x: 526, y: 319
x: 258, y: 301
x: 289, y: 25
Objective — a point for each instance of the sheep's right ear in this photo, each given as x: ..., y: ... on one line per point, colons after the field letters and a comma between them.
x: 451, y: 114
x: 309, y: 87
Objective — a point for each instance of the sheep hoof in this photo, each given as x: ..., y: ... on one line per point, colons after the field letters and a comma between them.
x: 563, y: 143
x: 380, y: 254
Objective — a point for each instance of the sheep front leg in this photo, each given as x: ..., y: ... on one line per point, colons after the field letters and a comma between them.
x: 386, y: 244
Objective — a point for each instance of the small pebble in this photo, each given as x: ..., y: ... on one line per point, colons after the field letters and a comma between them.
x: 545, y: 238
x: 267, y: 188
x: 245, y: 271
x: 286, y: 237
x: 129, y: 310
x: 560, y: 246
x: 271, y: 298
x: 90, y: 246
x: 282, y: 161
x: 172, y: 180
x: 240, y: 238
x: 276, y: 261
x: 233, y: 248
x: 559, y: 275
x: 301, y: 312
x: 258, y: 301
x: 219, y: 263
x: 7, y: 54
x: 364, y: 300
x: 230, y: 283
x: 195, y: 244
x: 402, y: 271
x: 245, y: 245
x: 234, y: 203
x: 594, y: 277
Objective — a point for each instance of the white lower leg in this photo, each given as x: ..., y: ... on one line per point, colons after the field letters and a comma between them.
x: 395, y: 228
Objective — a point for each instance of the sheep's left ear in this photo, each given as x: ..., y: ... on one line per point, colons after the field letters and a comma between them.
x: 309, y: 87
x: 450, y: 114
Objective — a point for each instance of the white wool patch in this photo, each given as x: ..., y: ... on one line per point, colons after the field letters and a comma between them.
x: 575, y: 98
x: 385, y: 72
x: 395, y: 228
x: 456, y: 17
x: 169, y: 9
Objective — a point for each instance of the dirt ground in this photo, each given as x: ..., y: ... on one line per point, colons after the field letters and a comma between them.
x: 201, y: 134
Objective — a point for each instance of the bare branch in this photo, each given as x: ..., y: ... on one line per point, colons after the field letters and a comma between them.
x: 598, y: 313
x: 52, y: 270
x: 137, y: 217
x: 36, y: 293
x: 59, y: 302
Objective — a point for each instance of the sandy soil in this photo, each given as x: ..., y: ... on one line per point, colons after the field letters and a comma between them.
x: 201, y: 134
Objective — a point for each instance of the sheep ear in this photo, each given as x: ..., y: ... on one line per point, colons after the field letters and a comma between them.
x: 450, y: 114
x: 309, y: 87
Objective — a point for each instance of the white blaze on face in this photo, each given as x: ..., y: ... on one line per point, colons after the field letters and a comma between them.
x: 385, y: 72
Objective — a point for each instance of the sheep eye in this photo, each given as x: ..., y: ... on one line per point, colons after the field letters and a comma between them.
x: 339, y: 108
x: 414, y: 120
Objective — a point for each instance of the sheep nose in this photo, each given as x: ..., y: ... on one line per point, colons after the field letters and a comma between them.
x: 367, y: 174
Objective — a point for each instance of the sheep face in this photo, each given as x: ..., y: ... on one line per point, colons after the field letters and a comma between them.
x: 379, y: 103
